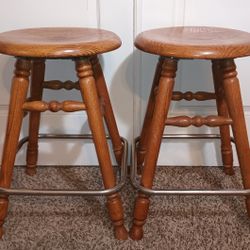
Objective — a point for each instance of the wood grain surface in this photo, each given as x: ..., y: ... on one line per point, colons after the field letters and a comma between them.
x: 57, y: 42
x: 19, y: 89
x: 90, y: 96
x: 36, y: 93
x: 195, y: 42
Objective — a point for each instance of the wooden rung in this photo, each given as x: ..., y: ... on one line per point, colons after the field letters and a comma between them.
x: 56, y: 85
x: 198, y: 121
x: 54, y: 106
x: 189, y: 96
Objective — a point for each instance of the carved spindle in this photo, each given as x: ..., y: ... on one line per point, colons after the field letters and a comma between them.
x: 107, y: 110
x: 235, y: 107
x: 19, y: 89
x: 189, y: 96
x: 89, y: 93
x: 36, y: 91
x: 142, y: 145
x: 198, y: 121
x: 226, y: 145
x: 56, y: 85
x: 115, y: 209
x: 161, y: 107
x: 54, y: 106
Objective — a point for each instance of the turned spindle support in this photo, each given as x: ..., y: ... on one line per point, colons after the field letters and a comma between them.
x: 142, y: 146
x: 54, y: 106
x: 226, y: 146
x: 236, y: 112
x: 191, y: 42
x: 161, y: 106
x: 19, y: 89
x: 107, y: 109
x: 57, y: 85
x: 89, y: 94
x: 32, y: 47
x: 189, y: 96
x: 36, y: 91
x: 198, y: 121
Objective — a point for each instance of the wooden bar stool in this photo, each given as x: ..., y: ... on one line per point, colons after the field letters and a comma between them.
x: 220, y: 46
x: 32, y: 47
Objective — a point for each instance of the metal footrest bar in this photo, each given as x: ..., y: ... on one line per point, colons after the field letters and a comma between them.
x: 148, y: 191
x: 191, y: 136
x: 62, y: 192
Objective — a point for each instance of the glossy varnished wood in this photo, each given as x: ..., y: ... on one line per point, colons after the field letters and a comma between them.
x: 107, y: 107
x: 36, y: 91
x: 57, y: 42
x: 80, y: 44
x: 142, y: 146
x: 54, y: 106
x: 19, y: 91
x: 156, y: 128
x: 189, y: 96
x: 220, y: 45
x: 89, y: 93
x: 226, y: 147
x: 56, y: 85
x: 195, y: 42
x: 236, y: 112
x: 198, y: 121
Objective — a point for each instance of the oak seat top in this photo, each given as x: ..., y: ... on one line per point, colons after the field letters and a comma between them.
x: 58, y: 42
x: 195, y: 42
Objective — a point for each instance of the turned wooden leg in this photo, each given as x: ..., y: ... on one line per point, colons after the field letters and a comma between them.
x: 90, y: 97
x: 18, y: 96
x: 235, y: 108
x: 162, y: 103
x: 107, y: 108
x: 142, y: 145
x: 226, y: 147
x: 36, y: 90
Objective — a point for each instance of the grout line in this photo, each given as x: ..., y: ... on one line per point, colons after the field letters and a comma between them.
x: 136, y: 73
x: 184, y: 12
x: 179, y: 10
x: 98, y: 14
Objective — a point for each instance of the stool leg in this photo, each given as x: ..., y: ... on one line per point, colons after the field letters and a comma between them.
x: 162, y: 103
x: 235, y: 107
x: 226, y: 147
x: 19, y: 90
x: 36, y: 90
x: 141, y: 148
x: 108, y: 111
x: 90, y: 97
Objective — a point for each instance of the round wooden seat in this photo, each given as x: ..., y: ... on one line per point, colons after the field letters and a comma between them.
x: 219, y: 45
x: 57, y: 42
x: 33, y: 47
x: 195, y: 42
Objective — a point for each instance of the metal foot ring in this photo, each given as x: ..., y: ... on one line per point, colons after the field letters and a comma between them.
x: 62, y: 192
x: 148, y: 191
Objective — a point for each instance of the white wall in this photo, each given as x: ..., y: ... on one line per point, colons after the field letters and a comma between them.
x: 128, y: 72
x: 225, y: 13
